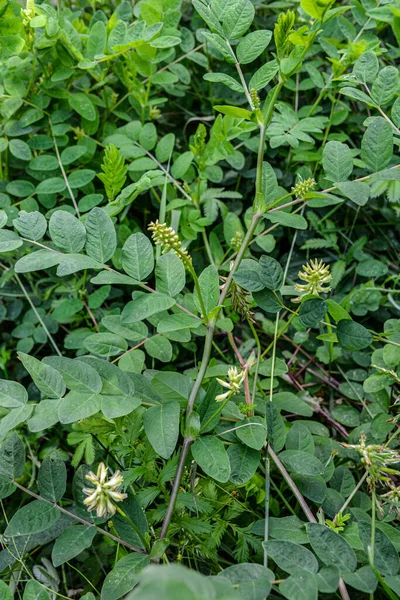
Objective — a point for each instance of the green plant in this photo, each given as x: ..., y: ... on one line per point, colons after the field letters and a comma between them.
x: 198, y: 208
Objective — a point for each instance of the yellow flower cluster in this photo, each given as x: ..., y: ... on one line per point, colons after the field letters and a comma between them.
x: 168, y: 239
x: 233, y: 385
x: 106, y: 492
x: 315, y: 274
x: 303, y: 186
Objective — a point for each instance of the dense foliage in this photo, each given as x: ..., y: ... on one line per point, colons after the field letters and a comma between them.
x: 199, y: 299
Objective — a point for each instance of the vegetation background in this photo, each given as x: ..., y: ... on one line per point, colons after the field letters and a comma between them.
x: 199, y: 299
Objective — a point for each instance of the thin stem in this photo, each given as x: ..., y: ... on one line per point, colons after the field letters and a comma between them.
x: 306, y: 509
x: 354, y: 491
x: 175, y: 488
x: 43, y: 324
x: 63, y: 172
x: 371, y: 549
x: 83, y: 521
x: 266, y: 507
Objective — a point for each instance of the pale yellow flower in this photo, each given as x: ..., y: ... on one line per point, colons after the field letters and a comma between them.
x: 106, y: 492
x: 316, y: 274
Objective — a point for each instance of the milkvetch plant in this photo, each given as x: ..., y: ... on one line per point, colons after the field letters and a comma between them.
x: 199, y: 299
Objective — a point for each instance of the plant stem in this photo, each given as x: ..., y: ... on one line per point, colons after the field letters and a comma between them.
x: 371, y: 549
x: 83, y: 521
x: 211, y: 325
x: 306, y: 509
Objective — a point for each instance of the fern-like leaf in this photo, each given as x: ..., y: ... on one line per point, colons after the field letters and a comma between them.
x: 114, y: 171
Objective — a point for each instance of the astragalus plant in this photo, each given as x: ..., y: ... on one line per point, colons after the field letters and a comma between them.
x: 199, y: 299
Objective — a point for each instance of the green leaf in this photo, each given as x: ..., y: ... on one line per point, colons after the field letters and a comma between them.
x: 37, y: 261
x: 227, y: 80
x: 331, y: 548
x: 337, y: 161
x: 312, y: 311
x: 46, y: 415
x: 209, y: 289
x: 248, y: 275
x: 170, y: 274
x: 124, y: 576
x: 299, y: 438
x: 358, y: 95
x: 386, y: 558
x: 172, y: 386
x: 386, y: 85
x: 252, y: 432
x: 328, y: 579
x: 208, y: 15
x: 31, y: 225
x: 161, y: 424
x: 353, y: 336
x: 97, y: 40
x: 251, y: 46
x: 66, y: 231
x: 264, y: 75
x: 366, y: 67
x: 210, y: 454
x: 80, y: 178
x: 12, y: 394
x: 32, y: 518
x: 275, y: 427
x: 72, y: 263
x: 9, y: 241
x: 6, y: 487
x: 12, y: 457
x: 20, y: 149
x: 83, y: 105
x: 54, y: 185
x: 289, y: 556
x: 46, y: 378
x: 112, y: 278
x: 269, y: 186
x: 251, y: 581
x: 314, y: 8
x: 233, y: 111
x: 287, y: 219
x: 35, y: 591
x: 77, y: 376
x: 14, y: 418
x: 144, y: 306
x: 298, y: 461
x: 138, y: 256
x: 105, y: 344
x: 182, y: 164
x: 177, y: 322
x: 72, y: 542
x: 159, y: 347
x: 357, y: 191
x: 377, y: 144
x: 165, y: 147
x: 243, y: 462
x: 301, y: 585
x: 52, y: 478
x: 101, y: 239
x: 78, y: 405
x: 5, y: 591
x: 312, y: 487
x: 237, y: 18
x: 271, y: 273
x: 362, y: 580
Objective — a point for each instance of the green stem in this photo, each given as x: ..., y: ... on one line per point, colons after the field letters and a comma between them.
x: 371, y: 549
x: 217, y: 412
x: 83, y: 521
